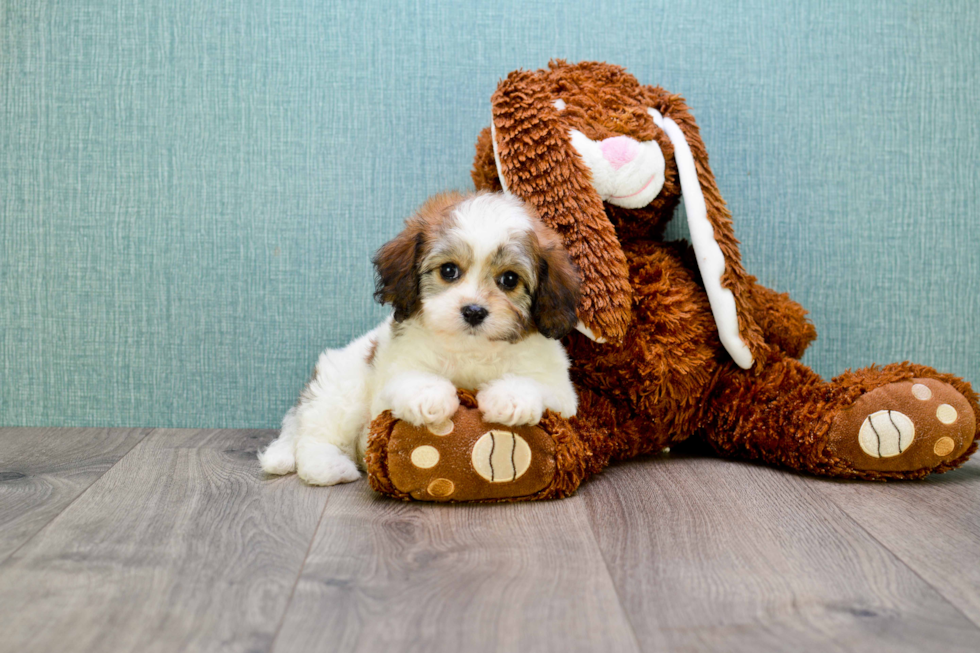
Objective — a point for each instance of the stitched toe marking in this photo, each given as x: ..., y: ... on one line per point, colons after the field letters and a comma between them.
x: 946, y: 414
x: 886, y: 433
x: 441, y: 487
x: 921, y: 392
x: 425, y: 456
x: 501, y: 456
x: 442, y: 429
x: 944, y: 446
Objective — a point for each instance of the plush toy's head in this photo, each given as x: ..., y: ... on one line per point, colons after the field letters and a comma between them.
x: 603, y: 158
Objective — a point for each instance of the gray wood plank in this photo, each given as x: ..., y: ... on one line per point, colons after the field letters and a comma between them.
x: 182, y: 546
x: 42, y: 470
x: 710, y: 554
x: 390, y: 576
x: 933, y: 526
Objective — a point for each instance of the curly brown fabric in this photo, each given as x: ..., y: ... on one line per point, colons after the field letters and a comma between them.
x: 559, y: 186
x: 376, y: 457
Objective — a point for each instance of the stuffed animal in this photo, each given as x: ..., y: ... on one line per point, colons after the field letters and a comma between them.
x: 675, y: 340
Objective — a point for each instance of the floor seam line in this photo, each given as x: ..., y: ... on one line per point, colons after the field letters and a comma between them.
x: 78, y: 496
x: 299, y: 575
x: 605, y: 565
x: 899, y: 558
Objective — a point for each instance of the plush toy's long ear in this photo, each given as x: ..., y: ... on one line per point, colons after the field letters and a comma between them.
x: 536, y: 162
x: 712, y: 234
x: 484, y: 172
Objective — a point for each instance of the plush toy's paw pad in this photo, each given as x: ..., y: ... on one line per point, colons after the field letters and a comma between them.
x: 904, y: 426
x: 501, y: 456
x: 474, y: 460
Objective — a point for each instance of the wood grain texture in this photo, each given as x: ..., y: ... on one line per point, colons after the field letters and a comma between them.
x: 933, y: 526
x: 182, y: 546
x: 42, y: 470
x: 709, y: 554
x: 389, y: 576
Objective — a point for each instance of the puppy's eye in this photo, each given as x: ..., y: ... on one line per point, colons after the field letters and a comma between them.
x: 508, y: 280
x: 449, y: 271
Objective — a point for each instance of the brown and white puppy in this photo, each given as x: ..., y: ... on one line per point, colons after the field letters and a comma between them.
x: 481, y: 292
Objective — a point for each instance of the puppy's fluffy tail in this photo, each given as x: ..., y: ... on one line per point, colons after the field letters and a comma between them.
x: 280, y: 456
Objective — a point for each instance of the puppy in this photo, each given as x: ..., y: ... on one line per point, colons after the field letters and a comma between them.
x: 481, y: 292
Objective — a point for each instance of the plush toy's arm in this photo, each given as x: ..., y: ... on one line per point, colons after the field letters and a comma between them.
x: 479, y: 460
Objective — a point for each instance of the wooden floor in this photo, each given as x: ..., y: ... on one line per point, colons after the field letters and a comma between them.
x: 167, y: 540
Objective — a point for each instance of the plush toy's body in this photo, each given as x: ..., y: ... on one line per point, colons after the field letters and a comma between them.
x: 679, y: 340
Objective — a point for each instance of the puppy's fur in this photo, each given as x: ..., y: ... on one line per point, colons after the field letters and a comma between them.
x: 481, y: 291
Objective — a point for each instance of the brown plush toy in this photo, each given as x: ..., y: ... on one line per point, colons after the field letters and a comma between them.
x: 675, y: 340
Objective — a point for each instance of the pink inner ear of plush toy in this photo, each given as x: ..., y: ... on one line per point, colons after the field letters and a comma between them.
x: 619, y: 150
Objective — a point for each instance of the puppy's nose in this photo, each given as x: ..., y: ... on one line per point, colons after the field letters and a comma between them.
x: 619, y: 150
x: 473, y: 314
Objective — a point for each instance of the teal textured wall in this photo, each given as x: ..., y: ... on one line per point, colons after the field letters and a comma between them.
x: 190, y: 190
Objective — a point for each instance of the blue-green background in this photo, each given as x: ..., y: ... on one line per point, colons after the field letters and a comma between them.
x: 190, y: 190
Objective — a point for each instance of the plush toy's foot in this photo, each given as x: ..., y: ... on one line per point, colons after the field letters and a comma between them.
x: 899, y: 421
x: 919, y: 424
x: 474, y: 460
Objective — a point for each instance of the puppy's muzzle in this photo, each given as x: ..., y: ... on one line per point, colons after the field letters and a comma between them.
x: 473, y: 314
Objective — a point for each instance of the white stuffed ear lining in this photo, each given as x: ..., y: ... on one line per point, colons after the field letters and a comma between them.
x: 587, y: 332
x: 496, y: 156
x: 711, y: 260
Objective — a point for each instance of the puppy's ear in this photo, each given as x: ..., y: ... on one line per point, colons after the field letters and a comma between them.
x: 396, y: 267
x: 557, y: 295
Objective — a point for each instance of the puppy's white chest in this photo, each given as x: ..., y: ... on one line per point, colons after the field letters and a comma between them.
x: 472, y: 369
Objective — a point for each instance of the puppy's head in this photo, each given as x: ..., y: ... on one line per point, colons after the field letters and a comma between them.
x: 480, y: 265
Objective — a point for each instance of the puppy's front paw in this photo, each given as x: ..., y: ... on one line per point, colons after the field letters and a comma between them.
x: 511, y: 402
x: 430, y: 403
x: 320, y: 463
x: 278, y: 458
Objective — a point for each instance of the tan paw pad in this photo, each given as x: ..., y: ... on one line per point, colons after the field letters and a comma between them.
x: 886, y: 433
x: 944, y: 446
x: 441, y: 488
x: 442, y: 429
x: 501, y: 456
x: 921, y: 392
x: 425, y: 457
x: 946, y: 414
